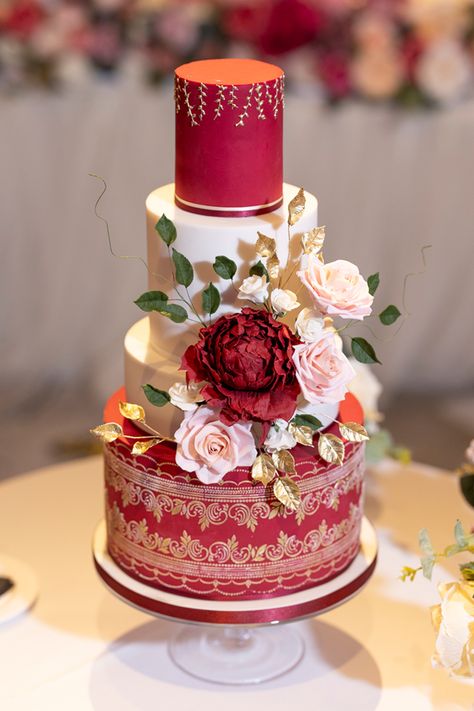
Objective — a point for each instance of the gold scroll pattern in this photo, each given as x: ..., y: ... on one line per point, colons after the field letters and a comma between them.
x: 155, y: 564
x: 216, y: 513
x: 228, y: 551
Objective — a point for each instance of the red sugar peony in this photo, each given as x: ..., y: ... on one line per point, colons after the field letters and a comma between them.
x: 246, y: 359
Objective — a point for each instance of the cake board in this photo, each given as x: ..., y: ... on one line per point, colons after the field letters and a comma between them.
x: 238, y: 642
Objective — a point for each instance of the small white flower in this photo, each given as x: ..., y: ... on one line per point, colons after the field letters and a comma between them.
x: 309, y: 325
x: 279, y: 437
x: 185, y: 396
x: 283, y: 300
x: 254, y: 288
x: 470, y: 452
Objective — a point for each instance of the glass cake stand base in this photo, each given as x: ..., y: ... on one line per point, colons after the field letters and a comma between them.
x: 236, y: 655
x: 237, y: 642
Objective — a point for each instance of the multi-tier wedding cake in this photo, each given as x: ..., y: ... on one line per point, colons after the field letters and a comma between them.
x: 234, y: 455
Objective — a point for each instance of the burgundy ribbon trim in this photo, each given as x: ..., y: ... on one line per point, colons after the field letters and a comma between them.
x: 250, y: 617
x: 227, y: 213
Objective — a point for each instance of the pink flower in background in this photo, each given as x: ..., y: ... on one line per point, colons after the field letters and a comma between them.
x: 378, y: 73
x: 210, y: 448
x: 338, y: 289
x: 322, y: 369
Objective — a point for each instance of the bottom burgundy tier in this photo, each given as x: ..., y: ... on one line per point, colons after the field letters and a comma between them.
x: 232, y: 540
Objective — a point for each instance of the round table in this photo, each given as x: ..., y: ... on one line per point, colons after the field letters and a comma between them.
x: 79, y: 648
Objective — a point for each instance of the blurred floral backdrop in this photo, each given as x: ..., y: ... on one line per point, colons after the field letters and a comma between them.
x: 412, y: 52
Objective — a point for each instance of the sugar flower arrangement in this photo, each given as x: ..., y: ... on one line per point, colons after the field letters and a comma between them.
x: 256, y: 386
x: 453, y: 617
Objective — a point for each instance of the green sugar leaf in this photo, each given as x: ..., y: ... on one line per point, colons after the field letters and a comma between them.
x: 459, y: 534
x: 166, y: 230
x: 389, y: 315
x: 363, y: 351
x: 211, y: 299
x: 259, y: 269
x: 467, y: 571
x: 152, y: 300
x: 425, y: 542
x: 174, y: 312
x: 373, y: 282
x: 183, y: 268
x: 155, y: 396
x: 307, y: 421
x: 224, y: 267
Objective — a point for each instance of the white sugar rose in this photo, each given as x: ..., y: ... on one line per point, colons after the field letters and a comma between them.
x: 254, y: 288
x: 279, y: 437
x: 470, y: 452
x: 210, y: 448
x: 186, y: 397
x: 309, y: 325
x: 444, y: 71
x: 453, y: 621
x: 337, y: 288
x: 322, y: 370
x: 367, y: 390
x: 283, y: 300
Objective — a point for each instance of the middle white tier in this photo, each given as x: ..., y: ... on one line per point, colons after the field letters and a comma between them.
x: 154, y: 346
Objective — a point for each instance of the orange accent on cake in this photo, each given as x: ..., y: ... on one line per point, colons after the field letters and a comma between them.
x: 229, y: 71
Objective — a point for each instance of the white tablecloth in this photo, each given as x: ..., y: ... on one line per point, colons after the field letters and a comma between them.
x: 388, y: 182
x: 80, y: 648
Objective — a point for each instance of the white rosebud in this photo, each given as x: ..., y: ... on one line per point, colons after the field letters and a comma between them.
x: 185, y: 396
x: 283, y: 300
x: 279, y: 437
x: 254, y: 288
x: 470, y: 452
x: 309, y: 325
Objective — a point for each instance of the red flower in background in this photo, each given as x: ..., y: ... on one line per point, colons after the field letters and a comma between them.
x: 274, y: 26
x: 23, y: 18
x: 246, y: 360
x: 333, y: 70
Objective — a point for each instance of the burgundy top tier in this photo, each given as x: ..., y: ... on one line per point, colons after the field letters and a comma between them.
x: 229, y: 133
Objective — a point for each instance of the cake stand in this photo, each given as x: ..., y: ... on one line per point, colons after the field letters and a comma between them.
x: 237, y: 642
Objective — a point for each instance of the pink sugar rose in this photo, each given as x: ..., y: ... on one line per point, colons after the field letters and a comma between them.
x: 337, y: 288
x: 210, y: 448
x: 322, y: 369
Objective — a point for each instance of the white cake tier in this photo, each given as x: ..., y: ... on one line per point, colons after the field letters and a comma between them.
x: 154, y: 346
x: 201, y: 239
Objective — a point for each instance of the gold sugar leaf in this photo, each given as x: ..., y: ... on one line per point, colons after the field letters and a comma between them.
x: 142, y: 447
x: 266, y: 246
x: 296, y: 207
x: 132, y: 411
x: 273, y: 267
x: 263, y: 469
x: 108, y: 432
x: 331, y: 449
x: 353, y: 432
x: 302, y: 434
x: 287, y: 492
x: 313, y: 240
x: 284, y: 461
